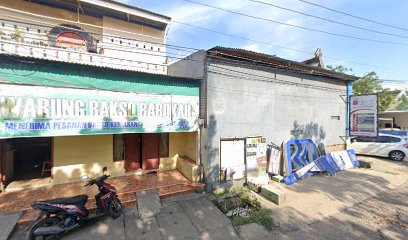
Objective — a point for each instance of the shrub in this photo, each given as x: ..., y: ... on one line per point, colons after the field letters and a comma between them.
x: 246, y: 198
x: 262, y: 216
x: 238, y: 221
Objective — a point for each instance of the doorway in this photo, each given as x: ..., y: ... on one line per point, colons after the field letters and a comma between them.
x: 139, y: 151
x: 150, y: 151
x: 27, y: 157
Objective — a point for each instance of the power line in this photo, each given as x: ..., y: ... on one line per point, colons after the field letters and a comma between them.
x: 298, y: 26
x: 190, y: 49
x: 354, y: 16
x: 329, y: 20
x: 278, y: 46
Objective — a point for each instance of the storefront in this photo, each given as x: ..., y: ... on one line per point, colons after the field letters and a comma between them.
x: 65, y: 132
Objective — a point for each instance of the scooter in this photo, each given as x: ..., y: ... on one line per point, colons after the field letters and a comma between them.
x: 67, y: 214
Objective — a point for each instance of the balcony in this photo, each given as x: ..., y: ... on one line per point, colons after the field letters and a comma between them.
x: 107, y: 51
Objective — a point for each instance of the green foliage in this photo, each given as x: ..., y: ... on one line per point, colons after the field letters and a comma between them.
x: 246, y: 198
x: 17, y: 34
x: 238, y: 221
x: 263, y: 217
x: 339, y: 68
x: 369, y: 84
x: 403, y: 104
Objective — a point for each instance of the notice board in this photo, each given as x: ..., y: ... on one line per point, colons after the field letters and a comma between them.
x: 364, y: 115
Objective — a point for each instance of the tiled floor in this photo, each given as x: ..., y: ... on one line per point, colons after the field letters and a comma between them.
x: 167, y: 182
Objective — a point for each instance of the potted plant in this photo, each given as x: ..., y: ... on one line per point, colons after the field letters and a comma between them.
x: 17, y: 35
x: 2, y: 34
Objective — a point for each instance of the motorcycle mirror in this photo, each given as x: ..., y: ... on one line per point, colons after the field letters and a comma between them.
x: 104, y: 169
x: 85, y: 177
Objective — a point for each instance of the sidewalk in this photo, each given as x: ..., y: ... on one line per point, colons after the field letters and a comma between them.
x: 190, y: 216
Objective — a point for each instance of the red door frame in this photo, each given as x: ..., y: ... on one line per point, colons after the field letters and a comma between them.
x: 149, y: 165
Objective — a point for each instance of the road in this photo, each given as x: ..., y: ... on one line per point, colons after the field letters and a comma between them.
x: 382, y: 214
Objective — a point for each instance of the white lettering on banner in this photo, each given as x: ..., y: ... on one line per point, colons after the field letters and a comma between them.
x: 56, y: 110
x: 79, y: 108
x: 10, y: 107
x: 113, y: 107
x: 43, y: 108
x: 59, y: 111
x: 29, y: 109
x: 122, y: 109
x: 104, y: 109
x: 93, y: 108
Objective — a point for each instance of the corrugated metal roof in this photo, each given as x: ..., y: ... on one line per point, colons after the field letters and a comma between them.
x: 18, y: 70
x: 246, y: 55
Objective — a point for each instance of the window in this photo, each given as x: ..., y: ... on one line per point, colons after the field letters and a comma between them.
x: 388, y: 139
x: 164, y: 145
x: 118, y: 147
x: 365, y: 139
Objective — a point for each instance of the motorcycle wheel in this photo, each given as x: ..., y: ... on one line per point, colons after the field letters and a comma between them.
x: 115, y: 208
x: 46, y: 222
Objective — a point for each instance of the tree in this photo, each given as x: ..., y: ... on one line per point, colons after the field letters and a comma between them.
x: 339, y: 68
x: 369, y: 84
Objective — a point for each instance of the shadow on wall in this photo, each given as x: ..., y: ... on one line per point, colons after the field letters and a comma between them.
x: 309, y: 130
x: 213, y: 153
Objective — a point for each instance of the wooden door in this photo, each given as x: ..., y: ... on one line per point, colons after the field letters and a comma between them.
x: 150, y: 151
x: 132, y: 152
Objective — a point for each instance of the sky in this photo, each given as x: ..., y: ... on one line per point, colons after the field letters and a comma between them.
x: 389, y: 61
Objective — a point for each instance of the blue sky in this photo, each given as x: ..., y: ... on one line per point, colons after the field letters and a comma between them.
x: 390, y: 59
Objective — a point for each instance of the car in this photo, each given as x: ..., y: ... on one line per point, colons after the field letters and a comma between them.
x: 393, y: 147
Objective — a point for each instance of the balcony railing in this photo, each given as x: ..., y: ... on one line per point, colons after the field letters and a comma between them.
x: 110, y: 51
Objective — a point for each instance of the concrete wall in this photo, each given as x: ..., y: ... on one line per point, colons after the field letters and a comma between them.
x: 76, y: 156
x: 241, y: 105
x: 192, y: 66
x: 46, y: 22
x: 180, y: 144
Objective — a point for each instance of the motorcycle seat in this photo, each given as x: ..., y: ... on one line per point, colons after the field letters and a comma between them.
x: 77, y: 200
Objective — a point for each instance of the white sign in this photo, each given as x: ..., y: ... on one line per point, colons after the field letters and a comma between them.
x: 233, y: 158
x: 364, y: 115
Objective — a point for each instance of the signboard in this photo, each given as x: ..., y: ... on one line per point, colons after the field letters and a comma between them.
x: 232, y: 159
x: 274, y: 160
x: 364, y: 115
x: 256, y: 156
x: 29, y: 111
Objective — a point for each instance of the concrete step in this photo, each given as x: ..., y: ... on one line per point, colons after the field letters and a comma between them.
x: 179, y: 189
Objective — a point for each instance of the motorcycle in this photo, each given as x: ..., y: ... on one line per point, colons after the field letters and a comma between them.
x: 67, y: 214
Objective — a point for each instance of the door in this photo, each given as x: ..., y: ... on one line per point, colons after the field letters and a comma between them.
x: 150, y: 151
x: 132, y: 152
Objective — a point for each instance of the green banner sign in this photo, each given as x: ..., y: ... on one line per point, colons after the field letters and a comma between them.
x: 32, y: 111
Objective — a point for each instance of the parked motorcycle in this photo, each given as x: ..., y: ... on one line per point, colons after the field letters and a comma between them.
x: 66, y: 214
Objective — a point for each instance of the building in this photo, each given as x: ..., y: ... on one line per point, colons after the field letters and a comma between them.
x: 393, y: 119
x: 248, y: 94
x: 84, y: 85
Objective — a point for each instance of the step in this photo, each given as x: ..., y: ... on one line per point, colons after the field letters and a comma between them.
x: 179, y: 189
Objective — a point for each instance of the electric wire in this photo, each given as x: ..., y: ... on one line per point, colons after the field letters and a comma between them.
x: 298, y: 26
x: 231, y: 35
x: 354, y: 16
x: 329, y: 20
